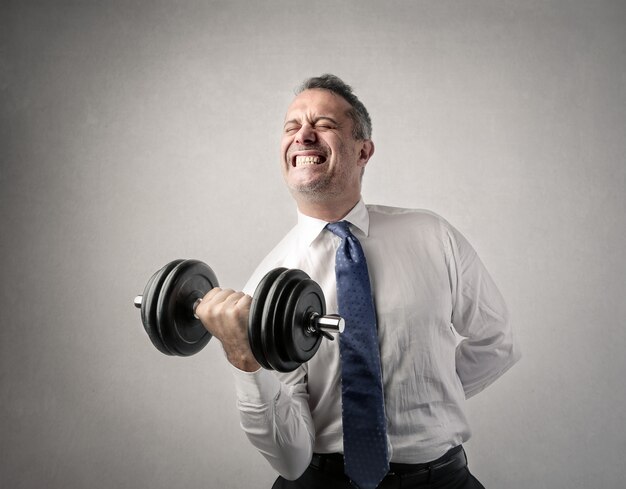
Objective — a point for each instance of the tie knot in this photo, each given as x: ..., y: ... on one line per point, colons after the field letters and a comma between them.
x: 340, y: 228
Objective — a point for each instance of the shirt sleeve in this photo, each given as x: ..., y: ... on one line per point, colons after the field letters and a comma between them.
x: 276, y: 418
x: 488, y: 348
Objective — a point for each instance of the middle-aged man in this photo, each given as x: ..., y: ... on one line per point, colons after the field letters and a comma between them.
x: 383, y: 406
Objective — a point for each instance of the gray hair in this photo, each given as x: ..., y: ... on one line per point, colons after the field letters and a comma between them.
x: 362, y: 124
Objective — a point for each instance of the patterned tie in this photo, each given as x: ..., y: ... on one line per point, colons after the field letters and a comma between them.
x: 363, y: 409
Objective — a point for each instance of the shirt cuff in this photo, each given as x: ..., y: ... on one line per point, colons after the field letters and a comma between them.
x: 260, y: 387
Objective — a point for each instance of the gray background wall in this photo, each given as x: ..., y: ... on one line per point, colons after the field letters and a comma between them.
x: 135, y: 132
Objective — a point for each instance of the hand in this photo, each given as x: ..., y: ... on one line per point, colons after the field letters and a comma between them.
x: 224, y: 313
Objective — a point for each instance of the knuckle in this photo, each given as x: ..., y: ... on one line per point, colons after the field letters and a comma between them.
x: 230, y: 313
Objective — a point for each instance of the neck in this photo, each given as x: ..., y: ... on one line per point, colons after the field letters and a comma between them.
x: 329, y: 211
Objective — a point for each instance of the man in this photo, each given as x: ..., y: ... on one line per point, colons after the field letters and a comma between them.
x: 425, y: 280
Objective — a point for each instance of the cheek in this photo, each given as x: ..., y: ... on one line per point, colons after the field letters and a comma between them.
x: 284, y: 146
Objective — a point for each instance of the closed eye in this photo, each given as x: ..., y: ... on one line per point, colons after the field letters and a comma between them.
x: 326, y: 123
x: 291, y: 129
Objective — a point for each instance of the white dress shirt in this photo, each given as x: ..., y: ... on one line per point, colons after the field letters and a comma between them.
x: 426, y: 279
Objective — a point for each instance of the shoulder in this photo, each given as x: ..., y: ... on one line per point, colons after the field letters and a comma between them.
x: 392, y: 217
x: 416, y: 226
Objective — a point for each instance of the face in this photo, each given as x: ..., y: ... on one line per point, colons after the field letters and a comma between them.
x: 320, y: 157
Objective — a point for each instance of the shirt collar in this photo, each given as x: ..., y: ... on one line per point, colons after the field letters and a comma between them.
x: 309, y: 228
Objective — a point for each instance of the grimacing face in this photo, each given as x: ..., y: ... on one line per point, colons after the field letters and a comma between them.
x: 320, y: 157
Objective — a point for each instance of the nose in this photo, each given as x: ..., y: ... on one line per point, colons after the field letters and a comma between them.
x: 306, y: 134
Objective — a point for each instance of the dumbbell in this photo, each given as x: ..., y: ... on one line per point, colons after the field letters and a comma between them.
x: 287, y: 316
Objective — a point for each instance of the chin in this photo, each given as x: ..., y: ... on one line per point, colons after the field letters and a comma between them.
x: 314, y: 192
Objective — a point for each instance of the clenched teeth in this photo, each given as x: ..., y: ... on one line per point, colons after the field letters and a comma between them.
x: 307, y: 160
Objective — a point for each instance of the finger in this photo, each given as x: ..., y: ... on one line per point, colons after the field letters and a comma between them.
x: 244, y: 302
x: 232, y: 299
x: 218, y: 302
x: 217, y: 295
x: 212, y: 293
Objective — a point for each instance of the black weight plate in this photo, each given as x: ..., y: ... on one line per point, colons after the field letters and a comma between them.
x: 273, y: 326
x: 182, y: 333
x: 305, y: 300
x: 149, y: 301
x: 255, y: 319
x: 284, y: 326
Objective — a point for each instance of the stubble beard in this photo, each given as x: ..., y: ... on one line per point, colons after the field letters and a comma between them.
x: 316, y: 191
x: 321, y: 187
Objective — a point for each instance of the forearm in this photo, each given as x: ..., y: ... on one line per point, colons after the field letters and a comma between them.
x: 276, y: 419
x: 489, y: 348
x: 480, y: 315
x: 479, y: 363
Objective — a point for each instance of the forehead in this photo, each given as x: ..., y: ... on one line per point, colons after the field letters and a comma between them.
x: 317, y: 102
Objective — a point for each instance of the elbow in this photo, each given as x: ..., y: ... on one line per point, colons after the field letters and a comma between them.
x: 291, y: 460
x: 293, y: 475
x: 296, y: 461
x: 291, y: 466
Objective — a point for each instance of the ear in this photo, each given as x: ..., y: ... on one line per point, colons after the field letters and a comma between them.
x: 366, y: 152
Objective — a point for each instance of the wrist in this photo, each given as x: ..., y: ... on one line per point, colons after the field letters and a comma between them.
x: 243, y: 361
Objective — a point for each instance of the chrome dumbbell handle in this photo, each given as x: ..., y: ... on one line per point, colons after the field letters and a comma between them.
x: 324, y: 325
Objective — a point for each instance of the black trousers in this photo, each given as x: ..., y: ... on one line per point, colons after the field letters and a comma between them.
x: 448, y: 475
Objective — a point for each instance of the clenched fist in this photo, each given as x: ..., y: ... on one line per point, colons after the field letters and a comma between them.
x: 224, y: 313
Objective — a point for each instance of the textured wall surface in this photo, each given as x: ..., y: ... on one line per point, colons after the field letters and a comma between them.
x: 136, y: 132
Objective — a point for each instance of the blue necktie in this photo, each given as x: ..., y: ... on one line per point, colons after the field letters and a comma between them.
x: 363, y: 410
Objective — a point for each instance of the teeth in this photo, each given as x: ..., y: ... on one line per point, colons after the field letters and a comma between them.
x: 307, y: 160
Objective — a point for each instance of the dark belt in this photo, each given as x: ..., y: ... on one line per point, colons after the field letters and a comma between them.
x: 407, y: 474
